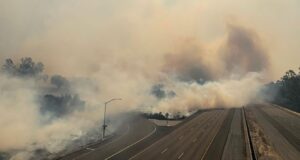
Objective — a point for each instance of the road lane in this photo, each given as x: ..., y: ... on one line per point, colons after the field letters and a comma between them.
x: 171, y: 139
x: 139, y: 128
x: 216, y: 147
x: 185, y: 144
x: 275, y: 134
x: 288, y: 134
x: 127, y: 147
x: 198, y: 149
x: 290, y: 121
x: 235, y: 148
x: 179, y: 144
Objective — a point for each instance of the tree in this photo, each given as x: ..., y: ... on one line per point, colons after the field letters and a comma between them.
x: 27, y: 68
x: 9, y: 67
x: 285, y: 91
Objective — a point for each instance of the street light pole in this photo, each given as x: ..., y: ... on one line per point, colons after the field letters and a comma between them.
x: 104, y: 125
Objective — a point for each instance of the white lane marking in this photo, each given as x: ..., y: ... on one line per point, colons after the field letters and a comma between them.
x: 180, y: 155
x: 90, y: 151
x: 164, y: 151
x: 150, y: 134
x: 143, y: 150
x: 211, y: 140
x: 131, y: 158
x: 194, y: 140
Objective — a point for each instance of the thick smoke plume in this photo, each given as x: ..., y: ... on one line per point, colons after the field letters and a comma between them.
x: 230, y: 77
x: 145, y: 52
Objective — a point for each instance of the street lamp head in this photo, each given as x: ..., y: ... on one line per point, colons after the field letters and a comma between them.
x: 114, y: 99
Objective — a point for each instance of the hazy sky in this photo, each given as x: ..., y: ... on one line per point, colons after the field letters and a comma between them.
x: 208, y: 52
x: 30, y: 27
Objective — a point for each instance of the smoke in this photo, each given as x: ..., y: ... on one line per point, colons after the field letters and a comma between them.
x: 18, y: 115
x: 243, y: 51
x: 145, y: 52
x: 189, y: 63
x: 230, y: 77
x: 159, y: 91
x: 25, y: 129
x: 212, y: 94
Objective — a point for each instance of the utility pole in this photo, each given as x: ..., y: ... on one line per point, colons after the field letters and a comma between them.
x: 167, y: 117
x: 104, y: 125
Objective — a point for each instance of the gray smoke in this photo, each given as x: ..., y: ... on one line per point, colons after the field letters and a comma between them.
x: 188, y: 64
x: 190, y: 77
x: 60, y: 82
x: 206, y: 79
x: 243, y: 51
x: 103, y: 49
x: 160, y: 92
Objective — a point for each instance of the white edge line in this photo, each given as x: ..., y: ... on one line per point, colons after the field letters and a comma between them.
x: 180, y: 155
x: 165, y: 150
x: 212, y: 140
x: 154, y: 130
x: 148, y: 147
x: 90, y: 151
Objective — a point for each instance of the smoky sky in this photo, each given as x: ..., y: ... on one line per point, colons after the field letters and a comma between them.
x: 241, y: 52
x: 187, y: 66
x: 103, y: 49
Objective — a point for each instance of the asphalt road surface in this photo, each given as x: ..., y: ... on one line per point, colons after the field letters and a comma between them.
x: 203, y: 137
x: 237, y: 145
x: 136, y: 130
x: 217, y: 134
x: 282, y: 129
x: 208, y: 135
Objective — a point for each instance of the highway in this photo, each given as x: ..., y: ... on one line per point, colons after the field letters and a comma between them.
x: 203, y: 137
x: 237, y: 145
x: 132, y: 133
x: 208, y: 135
x: 281, y: 128
x: 215, y: 134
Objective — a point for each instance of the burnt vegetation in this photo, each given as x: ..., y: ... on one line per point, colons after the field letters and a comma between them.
x: 286, y: 91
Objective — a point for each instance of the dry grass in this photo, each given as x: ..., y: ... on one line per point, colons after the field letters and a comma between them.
x: 263, y: 148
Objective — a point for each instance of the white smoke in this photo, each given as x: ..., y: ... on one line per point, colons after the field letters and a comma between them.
x: 112, y: 49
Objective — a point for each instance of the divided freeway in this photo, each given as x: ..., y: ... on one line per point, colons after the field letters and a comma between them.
x: 208, y: 135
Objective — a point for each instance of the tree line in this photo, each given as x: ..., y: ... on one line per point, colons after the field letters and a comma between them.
x: 286, y: 91
x: 56, y: 98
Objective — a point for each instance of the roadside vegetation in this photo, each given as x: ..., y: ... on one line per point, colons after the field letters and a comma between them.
x: 286, y: 91
x: 166, y: 116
